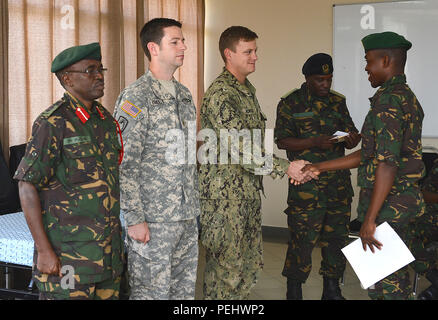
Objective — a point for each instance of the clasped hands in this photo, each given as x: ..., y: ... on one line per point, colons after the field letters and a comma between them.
x: 302, y: 171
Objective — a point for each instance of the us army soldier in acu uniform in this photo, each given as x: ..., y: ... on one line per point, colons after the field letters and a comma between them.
x: 390, y: 160
x: 69, y: 186
x: 230, y: 198
x: 318, y: 211
x: 159, y: 196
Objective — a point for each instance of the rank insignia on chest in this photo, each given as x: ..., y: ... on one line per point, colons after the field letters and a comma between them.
x: 130, y: 109
x: 82, y: 114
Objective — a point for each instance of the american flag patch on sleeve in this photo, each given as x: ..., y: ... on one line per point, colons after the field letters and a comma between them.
x: 130, y: 109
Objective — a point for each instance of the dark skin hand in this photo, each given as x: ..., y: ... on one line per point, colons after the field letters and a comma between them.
x: 385, y: 175
x: 430, y: 197
x: 48, y: 262
x: 319, y: 85
x: 348, y: 162
x: 352, y: 140
x: 297, y: 144
x: 323, y: 142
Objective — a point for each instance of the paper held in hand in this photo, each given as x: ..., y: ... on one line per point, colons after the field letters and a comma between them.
x: 340, y: 136
x: 373, y: 267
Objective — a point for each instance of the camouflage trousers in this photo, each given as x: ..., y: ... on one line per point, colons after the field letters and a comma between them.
x: 232, y: 237
x: 327, y: 227
x: 423, y: 231
x: 396, y: 286
x: 165, y: 267
x: 105, y: 290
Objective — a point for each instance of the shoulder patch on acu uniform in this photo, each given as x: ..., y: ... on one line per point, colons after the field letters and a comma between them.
x: 130, y: 109
x: 337, y: 94
x: 287, y: 94
x: 48, y: 112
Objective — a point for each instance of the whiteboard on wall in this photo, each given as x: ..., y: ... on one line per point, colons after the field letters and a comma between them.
x: 417, y: 21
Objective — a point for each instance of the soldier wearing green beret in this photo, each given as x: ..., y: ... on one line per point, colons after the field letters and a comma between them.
x: 318, y: 211
x: 390, y: 160
x: 69, y: 185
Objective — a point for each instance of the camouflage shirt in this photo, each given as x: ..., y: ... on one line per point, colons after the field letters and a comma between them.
x: 153, y: 187
x: 392, y: 133
x: 227, y: 106
x: 302, y: 115
x: 74, y: 167
x: 430, y: 184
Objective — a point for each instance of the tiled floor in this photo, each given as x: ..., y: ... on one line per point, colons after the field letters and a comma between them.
x: 272, y: 285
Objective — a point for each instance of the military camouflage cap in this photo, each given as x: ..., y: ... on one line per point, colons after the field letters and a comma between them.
x: 320, y: 63
x: 385, y: 40
x: 74, y: 54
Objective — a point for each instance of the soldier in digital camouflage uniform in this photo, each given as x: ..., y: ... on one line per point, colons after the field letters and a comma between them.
x: 159, y: 194
x: 424, y: 231
x: 390, y: 160
x: 69, y: 186
x: 230, y: 198
x: 318, y: 211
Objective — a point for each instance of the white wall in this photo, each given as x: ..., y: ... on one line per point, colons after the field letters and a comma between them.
x: 289, y: 32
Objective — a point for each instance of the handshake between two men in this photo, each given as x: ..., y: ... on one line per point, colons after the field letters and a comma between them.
x: 302, y: 171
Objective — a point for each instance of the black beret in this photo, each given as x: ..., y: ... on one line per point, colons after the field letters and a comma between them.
x: 72, y: 55
x: 320, y: 63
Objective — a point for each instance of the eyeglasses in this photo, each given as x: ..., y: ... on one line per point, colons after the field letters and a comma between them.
x: 90, y: 71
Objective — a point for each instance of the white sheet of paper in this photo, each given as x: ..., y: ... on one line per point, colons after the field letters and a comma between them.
x: 373, y: 267
x: 340, y: 133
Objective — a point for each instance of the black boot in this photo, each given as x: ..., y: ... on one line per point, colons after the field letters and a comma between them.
x: 331, y: 290
x: 430, y: 293
x: 294, y: 291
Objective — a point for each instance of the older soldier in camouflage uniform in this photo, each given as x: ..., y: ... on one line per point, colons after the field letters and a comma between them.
x: 318, y: 211
x: 230, y: 199
x: 159, y: 193
x: 389, y: 163
x: 424, y: 231
x: 69, y: 186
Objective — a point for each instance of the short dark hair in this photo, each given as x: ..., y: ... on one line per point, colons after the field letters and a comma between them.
x: 231, y: 37
x: 59, y: 76
x: 398, y: 55
x: 152, y: 31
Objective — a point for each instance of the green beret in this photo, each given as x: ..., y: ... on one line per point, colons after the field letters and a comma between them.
x: 74, y: 54
x: 385, y: 40
x: 320, y: 63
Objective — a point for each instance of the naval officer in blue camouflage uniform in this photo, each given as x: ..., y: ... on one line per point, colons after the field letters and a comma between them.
x: 159, y: 194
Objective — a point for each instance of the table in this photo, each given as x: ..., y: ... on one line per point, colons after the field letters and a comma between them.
x: 16, y: 253
x: 16, y: 243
